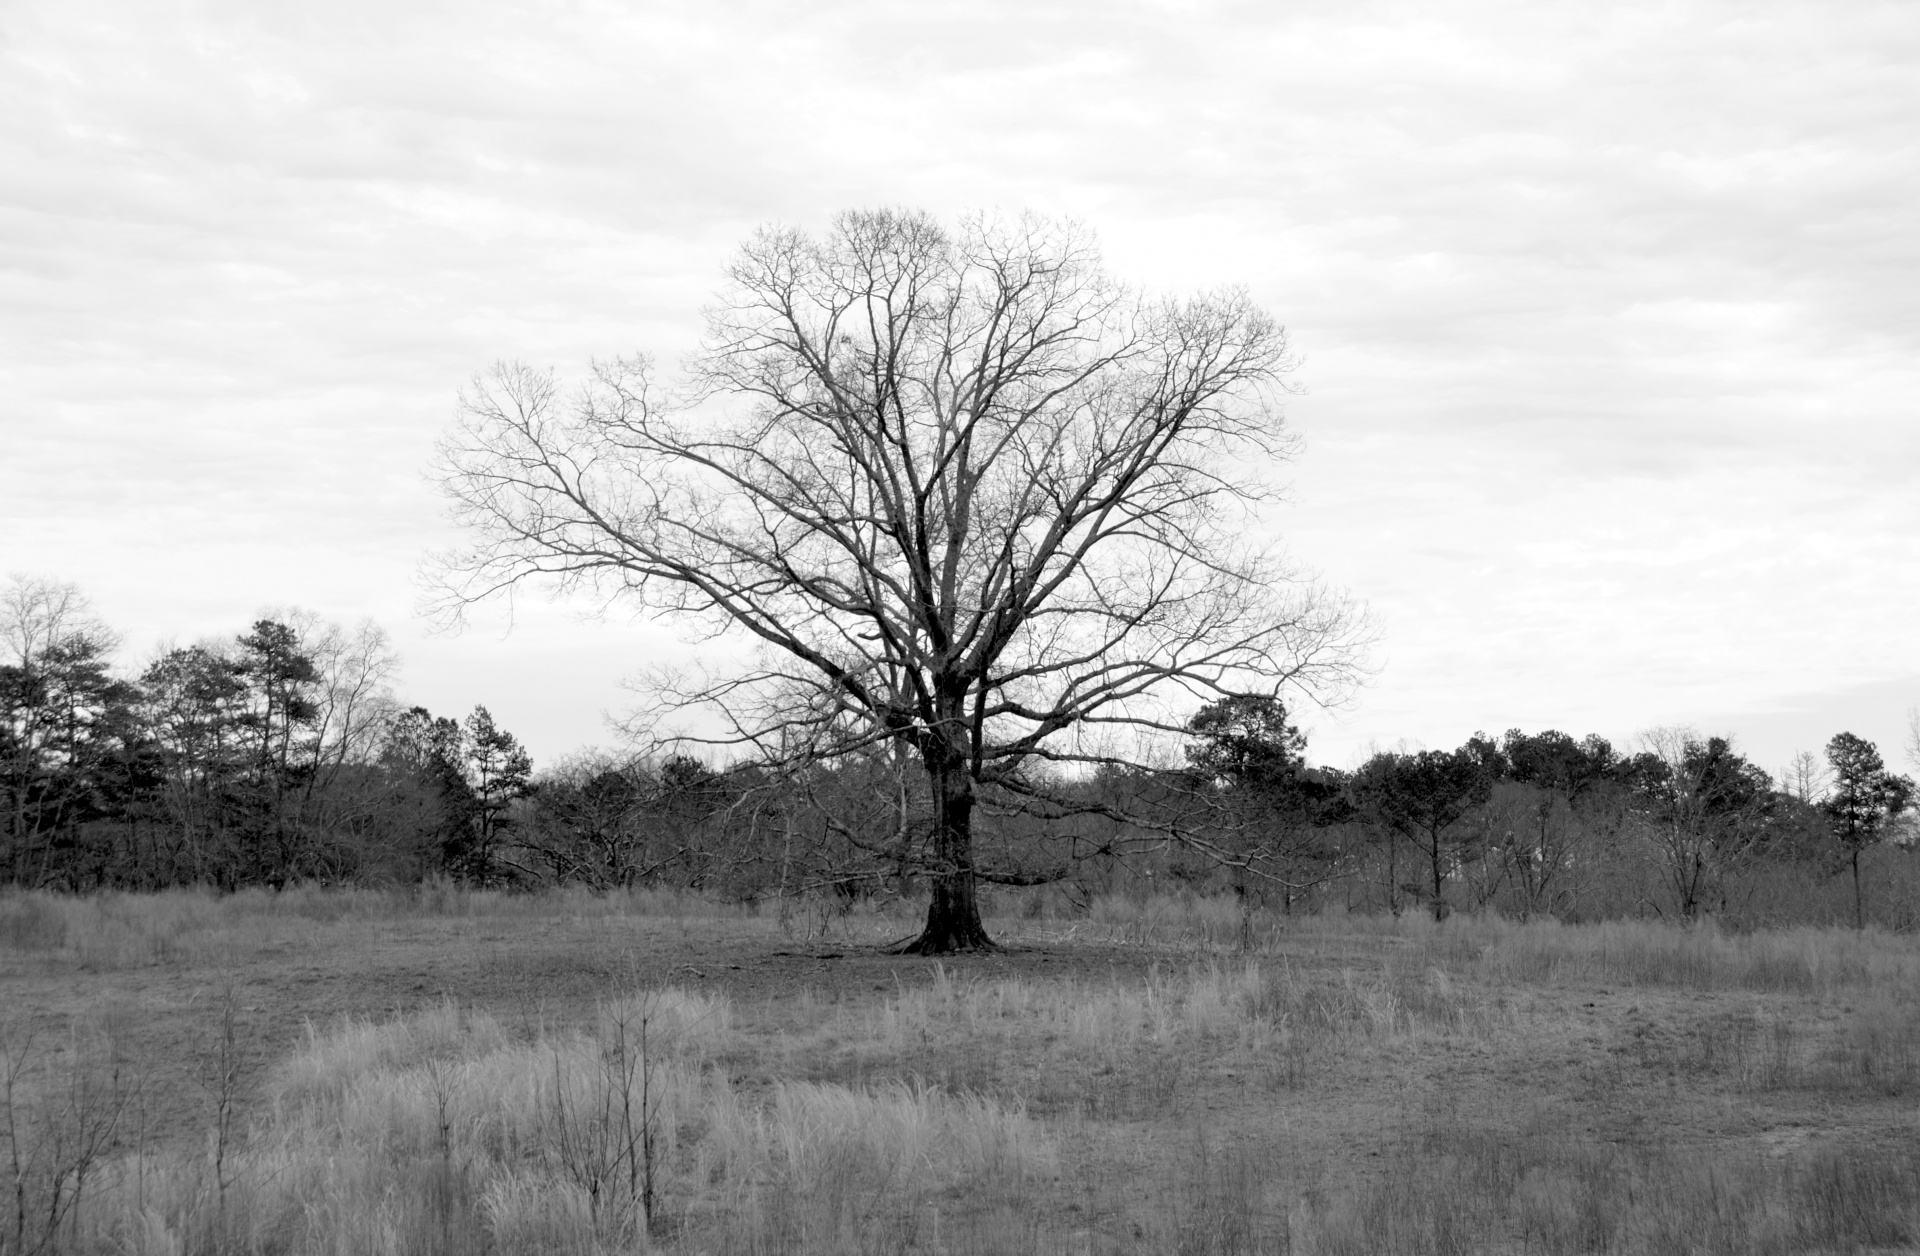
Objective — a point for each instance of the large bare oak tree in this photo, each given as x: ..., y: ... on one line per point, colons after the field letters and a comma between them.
x: 973, y: 498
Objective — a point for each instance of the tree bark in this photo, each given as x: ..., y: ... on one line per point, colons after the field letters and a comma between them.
x: 1393, y: 873
x: 1439, y: 878
x: 1859, y: 910
x: 953, y: 913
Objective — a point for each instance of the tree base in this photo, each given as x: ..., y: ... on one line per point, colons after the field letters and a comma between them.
x: 953, y: 920
x: 947, y: 940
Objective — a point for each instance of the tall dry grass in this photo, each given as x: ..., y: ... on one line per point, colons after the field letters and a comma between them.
x: 1454, y: 1189
x: 442, y: 1132
x: 446, y: 1131
x: 1815, y: 962
x: 953, y: 1114
x: 1801, y: 960
x: 1133, y: 1049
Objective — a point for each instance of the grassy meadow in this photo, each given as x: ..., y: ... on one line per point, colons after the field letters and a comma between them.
x: 452, y: 1072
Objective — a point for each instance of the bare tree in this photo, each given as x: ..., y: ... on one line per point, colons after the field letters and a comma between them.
x: 1703, y: 809
x: 592, y: 822
x: 1806, y: 778
x: 354, y: 707
x: 973, y: 495
x: 37, y: 613
x: 353, y: 699
x: 1534, y: 840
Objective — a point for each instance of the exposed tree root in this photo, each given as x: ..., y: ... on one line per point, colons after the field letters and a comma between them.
x: 946, y: 941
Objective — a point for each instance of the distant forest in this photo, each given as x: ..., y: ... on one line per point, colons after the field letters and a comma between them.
x: 281, y: 755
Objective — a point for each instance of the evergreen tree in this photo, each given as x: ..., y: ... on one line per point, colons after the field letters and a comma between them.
x: 283, y: 705
x: 63, y: 720
x: 195, y: 709
x: 500, y: 773
x: 424, y: 757
x: 1423, y: 797
x: 1278, y: 814
x: 1864, y: 798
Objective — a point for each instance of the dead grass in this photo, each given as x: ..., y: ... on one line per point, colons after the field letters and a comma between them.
x: 1800, y: 960
x: 1816, y: 962
x: 1455, y: 1187
x: 440, y: 1132
x: 1344, y: 1085
x: 115, y: 930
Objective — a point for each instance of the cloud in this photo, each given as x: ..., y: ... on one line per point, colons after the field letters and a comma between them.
x: 1607, y: 314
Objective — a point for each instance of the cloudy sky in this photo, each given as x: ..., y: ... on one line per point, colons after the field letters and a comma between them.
x: 1609, y: 315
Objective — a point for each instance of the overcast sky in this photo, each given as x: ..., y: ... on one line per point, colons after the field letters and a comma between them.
x: 1609, y: 315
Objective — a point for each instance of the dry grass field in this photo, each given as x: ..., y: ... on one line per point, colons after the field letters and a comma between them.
x: 448, y: 1072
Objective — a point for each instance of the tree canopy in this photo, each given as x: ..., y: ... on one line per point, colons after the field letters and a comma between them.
x: 973, y: 496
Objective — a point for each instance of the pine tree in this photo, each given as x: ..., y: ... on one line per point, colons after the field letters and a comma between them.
x: 1865, y: 797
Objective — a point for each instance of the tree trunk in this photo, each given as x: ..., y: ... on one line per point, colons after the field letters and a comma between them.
x: 1859, y: 909
x: 953, y: 913
x: 1393, y: 873
x: 1439, y: 876
x: 1246, y: 910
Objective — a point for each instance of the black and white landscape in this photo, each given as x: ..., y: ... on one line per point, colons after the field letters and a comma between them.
x: 1171, y: 627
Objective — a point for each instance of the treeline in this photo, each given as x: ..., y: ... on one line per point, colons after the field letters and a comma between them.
x: 1525, y: 824
x: 275, y: 755
x: 281, y: 754
x: 1532, y: 824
